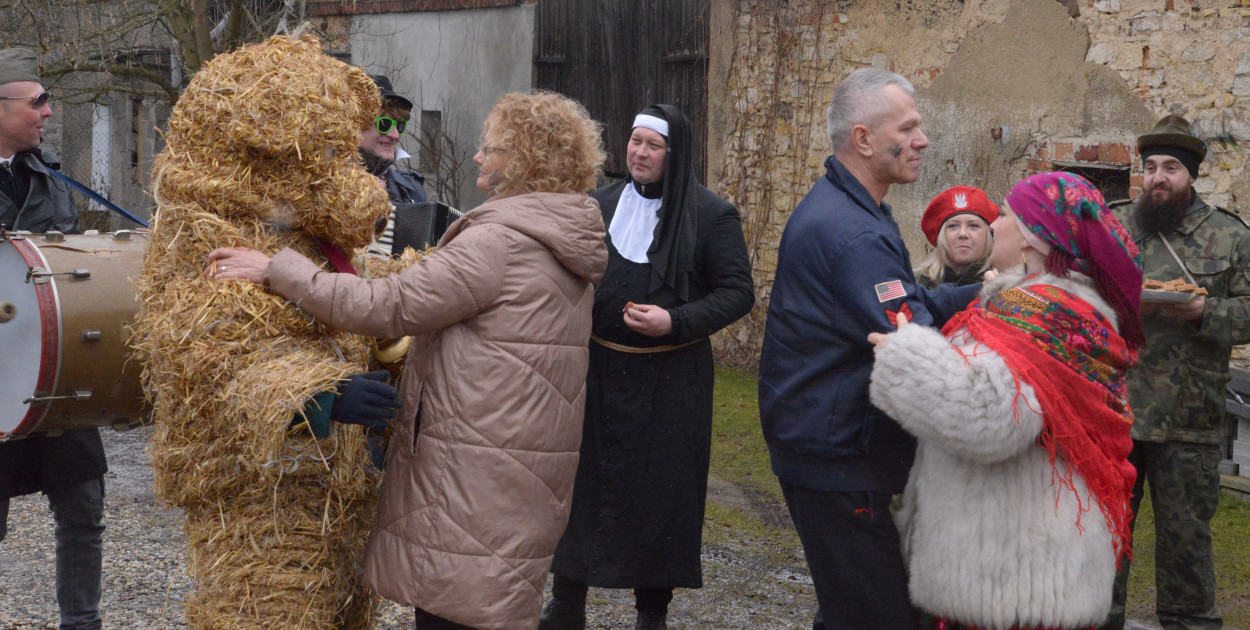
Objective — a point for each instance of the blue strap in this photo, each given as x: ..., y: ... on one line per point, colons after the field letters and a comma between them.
x: 95, y: 196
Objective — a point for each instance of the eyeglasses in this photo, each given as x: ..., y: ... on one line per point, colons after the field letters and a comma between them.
x: 35, y: 101
x: 487, y: 149
x: 384, y: 125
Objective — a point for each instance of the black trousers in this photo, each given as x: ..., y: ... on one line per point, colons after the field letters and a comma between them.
x: 852, y: 549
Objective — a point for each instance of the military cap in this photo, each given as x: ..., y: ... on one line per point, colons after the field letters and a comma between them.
x: 18, y: 64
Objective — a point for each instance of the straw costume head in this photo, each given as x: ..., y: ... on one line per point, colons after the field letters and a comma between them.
x: 271, y: 135
x: 261, y: 153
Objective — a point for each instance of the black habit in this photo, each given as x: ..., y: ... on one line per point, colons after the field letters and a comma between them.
x: 637, y: 513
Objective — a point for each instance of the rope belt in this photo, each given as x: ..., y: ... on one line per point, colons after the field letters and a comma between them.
x: 632, y: 350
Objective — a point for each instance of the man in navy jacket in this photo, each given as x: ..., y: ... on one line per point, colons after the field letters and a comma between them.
x: 843, y: 272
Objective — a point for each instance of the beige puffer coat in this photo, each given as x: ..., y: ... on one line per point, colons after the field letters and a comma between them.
x: 474, y: 503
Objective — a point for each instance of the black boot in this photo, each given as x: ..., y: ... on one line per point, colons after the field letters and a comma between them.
x: 651, y: 621
x: 652, y: 606
x: 567, y: 608
x: 563, y: 614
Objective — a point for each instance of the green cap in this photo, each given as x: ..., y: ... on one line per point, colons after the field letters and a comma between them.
x: 1173, y: 131
x: 18, y: 64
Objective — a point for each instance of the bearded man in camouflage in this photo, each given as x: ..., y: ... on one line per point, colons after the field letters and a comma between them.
x: 1177, y: 387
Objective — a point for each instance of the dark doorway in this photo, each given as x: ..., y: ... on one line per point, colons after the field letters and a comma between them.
x: 1111, y: 181
x: 618, y: 56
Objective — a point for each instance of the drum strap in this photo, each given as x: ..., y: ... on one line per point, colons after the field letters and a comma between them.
x: 95, y: 196
x: 6, y: 184
x: 93, y: 252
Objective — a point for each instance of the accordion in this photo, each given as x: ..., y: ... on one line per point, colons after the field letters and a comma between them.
x: 420, y: 225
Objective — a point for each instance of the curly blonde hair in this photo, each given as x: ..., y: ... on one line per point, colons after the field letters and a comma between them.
x: 553, y: 145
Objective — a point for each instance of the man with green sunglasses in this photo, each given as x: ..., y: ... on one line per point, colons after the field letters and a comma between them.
x: 379, y: 146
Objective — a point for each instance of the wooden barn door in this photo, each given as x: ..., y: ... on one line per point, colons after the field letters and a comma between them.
x: 618, y: 56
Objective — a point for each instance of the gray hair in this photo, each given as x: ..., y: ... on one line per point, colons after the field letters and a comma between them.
x: 860, y: 100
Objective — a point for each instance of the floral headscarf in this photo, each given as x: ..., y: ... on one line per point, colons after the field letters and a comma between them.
x: 1069, y: 215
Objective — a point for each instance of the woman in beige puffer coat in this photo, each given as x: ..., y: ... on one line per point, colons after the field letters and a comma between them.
x: 480, y: 468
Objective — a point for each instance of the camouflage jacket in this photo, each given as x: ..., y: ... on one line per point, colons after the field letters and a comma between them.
x: 1177, y: 387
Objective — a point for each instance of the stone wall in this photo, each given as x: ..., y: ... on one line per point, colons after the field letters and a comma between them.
x: 1187, y: 57
x: 1006, y: 88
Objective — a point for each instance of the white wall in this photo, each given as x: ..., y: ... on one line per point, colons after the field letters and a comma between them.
x: 459, y: 62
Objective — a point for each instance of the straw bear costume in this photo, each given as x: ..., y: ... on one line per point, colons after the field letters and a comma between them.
x: 262, y: 153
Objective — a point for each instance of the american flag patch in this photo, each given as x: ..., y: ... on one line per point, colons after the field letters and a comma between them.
x: 887, y: 291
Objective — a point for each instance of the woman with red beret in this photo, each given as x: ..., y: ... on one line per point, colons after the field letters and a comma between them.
x: 957, y: 224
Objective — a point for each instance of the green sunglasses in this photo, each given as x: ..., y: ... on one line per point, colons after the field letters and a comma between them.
x: 384, y: 125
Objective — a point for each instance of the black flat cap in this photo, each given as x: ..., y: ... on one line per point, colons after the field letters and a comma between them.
x: 387, y: 92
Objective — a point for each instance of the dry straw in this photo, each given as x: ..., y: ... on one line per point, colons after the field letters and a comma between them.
x: 261, y: 152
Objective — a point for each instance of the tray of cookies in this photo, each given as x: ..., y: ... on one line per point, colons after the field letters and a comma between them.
x: 1177, y: 291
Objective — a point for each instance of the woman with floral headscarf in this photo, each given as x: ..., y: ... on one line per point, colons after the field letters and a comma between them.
x: 1017, y: 509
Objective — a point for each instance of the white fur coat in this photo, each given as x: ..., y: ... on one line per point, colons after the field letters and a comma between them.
x: 990, y: 536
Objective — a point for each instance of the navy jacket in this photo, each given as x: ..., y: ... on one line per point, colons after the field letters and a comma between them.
x: 842, y: 272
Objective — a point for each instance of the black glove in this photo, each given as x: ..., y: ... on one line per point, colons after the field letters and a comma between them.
x: 366, y: 399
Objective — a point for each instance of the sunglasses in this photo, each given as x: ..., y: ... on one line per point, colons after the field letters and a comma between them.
x: 384, y: 125
x: 37, y: 101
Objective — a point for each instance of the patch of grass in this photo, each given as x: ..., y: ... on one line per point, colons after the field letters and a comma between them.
x: 1230, y: 530
x: 739, y: 454
x: 740, y: 457
x: 726, y: 524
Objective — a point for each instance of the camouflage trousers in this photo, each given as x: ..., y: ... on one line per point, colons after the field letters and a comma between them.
x: 1184, y: 484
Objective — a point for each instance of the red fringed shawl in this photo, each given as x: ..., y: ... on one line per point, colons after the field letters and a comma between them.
x: 1075, y: 361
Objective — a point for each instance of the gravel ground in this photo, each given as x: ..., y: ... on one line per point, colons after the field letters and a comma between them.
x: 146, y: 583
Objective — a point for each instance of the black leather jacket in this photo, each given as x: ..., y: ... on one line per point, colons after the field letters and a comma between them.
x: 48, y: 206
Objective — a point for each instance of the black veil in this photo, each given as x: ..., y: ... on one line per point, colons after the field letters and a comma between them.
x: 673, y: 244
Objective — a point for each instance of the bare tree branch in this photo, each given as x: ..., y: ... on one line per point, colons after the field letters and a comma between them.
x: 133, y: 45
x: 161, y: 80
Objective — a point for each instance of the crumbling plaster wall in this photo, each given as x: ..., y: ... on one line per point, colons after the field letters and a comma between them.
x: 1056, y: 89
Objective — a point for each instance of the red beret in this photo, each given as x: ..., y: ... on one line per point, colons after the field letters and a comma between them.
x: 953, y: 201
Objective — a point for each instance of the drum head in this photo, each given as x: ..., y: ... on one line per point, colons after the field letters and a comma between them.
x: 24, y: 338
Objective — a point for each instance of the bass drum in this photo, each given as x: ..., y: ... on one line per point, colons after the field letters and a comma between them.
x: 66, y: 305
